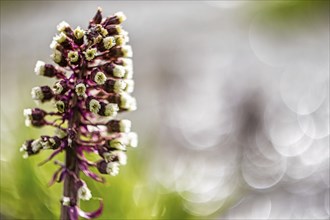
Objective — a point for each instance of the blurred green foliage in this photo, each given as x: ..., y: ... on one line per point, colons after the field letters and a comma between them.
x: 284, y: 12
x: 130, y: 195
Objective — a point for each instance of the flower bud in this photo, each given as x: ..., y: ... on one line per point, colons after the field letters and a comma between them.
x: 121, y: 40
x: 62, y: 39
x: 34, y: 117
x: 116, y: 86
x: 90, y: 54
x: 93, y: 105
x: 80, y: 89
x: 73, y: 57
x: 132, y: 139
x: 47, y: 70
x: 126, y: 51
x: 111, y: 168
x: 79, y: 33
x: 108, y: 42
x: 113, y: 70
x: 60, y: 87
x: 98, y: 17
x: 98, y: 76
x: 113, y: 29
x: 102, y: 166
x: 54, y: 45
x: 118, y: 18
x: 119, y: 126
x: 127, y: 102
x: 61, y: 27
x: 109, y: 110
x: 126, y: 62
x: 122, y: 157
x: 116, y: 156
x: 61, y: 106
x: 31, y: 147
x: 101, y: 30
x: 43, y: 93
x: 58, y: 58
x: 40, y: 68
x: 36, y: 145
x: 122, y: 51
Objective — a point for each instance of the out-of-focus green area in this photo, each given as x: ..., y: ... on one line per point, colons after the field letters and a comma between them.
x: 25, y: 194
x: 133, y: 194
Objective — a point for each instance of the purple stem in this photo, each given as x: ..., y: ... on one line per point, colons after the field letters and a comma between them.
x: 71, y: 160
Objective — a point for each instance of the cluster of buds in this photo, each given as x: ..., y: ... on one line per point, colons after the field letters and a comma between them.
x: 93, y: 71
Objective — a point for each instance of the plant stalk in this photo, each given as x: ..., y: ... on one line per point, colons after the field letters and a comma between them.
x: 69, y: 189
x: 71, y: 163
x: 71, y: 160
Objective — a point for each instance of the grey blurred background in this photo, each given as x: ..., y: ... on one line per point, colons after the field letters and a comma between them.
x: 233, y: 103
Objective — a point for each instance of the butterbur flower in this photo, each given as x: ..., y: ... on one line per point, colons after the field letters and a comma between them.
x: 94, y: 106
x: 80, y: 89
x: 93, y: 79
x: 99, y: 78
x: 90, y: 54
x: 79, y: 33
x: 73, y: 56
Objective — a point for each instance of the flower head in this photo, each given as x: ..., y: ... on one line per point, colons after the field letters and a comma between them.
x: 73, y: 56
x: 90, y: 54
x: 109, y: 42
x: 94, y: 106
x: 78, y: 33
x: 80, y: 89
x: 100, y: 78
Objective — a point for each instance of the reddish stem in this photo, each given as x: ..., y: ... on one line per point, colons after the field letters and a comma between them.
x: 71, y: 160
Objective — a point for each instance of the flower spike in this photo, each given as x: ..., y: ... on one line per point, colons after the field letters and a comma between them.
x: 93, y: 73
